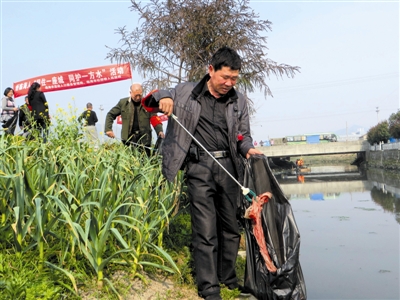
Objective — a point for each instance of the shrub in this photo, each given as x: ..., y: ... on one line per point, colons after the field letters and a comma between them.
x: 379, y: 133
x: 394, y: 125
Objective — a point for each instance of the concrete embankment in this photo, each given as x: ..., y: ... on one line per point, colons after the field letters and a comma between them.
x: 389, y: 178
x: 386, y: 159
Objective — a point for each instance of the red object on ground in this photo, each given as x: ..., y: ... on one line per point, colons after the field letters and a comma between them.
x: 75, y: 79
x: 254, y: 213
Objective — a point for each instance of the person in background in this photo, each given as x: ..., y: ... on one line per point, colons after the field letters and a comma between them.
x: 89, y: 118
x: 217, y: 116
x: 9, y: 112
x: 40, y: 110
x: 25, y: 117
x: 136, y: 129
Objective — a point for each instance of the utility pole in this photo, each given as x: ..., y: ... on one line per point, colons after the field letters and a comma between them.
x: 102, y: 122
x: 377, y: 114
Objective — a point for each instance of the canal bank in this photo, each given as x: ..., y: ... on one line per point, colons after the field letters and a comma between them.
x: 386, y: 177
x: 386, y: 159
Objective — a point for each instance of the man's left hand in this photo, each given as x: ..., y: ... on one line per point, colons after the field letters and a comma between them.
x: 161, y: 135
x: 253, y: 151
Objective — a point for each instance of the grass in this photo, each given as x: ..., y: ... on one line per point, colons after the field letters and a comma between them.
x: 85, y: 222
x: 21, y: 279
x: 75, y: 210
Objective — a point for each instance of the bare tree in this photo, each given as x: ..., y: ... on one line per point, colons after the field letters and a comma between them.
x: 175, y: 40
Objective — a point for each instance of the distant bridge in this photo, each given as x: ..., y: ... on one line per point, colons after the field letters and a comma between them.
x: 326, y: 187
x: 315, y: 149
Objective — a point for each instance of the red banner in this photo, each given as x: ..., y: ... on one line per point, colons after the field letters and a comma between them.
x: 75, y: 79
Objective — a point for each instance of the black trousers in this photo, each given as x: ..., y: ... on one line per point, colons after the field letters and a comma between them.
x: 213, y: 197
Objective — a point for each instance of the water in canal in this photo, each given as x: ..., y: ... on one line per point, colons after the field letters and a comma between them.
x: 349, y: 224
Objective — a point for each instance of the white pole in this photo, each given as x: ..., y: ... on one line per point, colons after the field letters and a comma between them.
x: 102, y: 123
x: 377, y: 114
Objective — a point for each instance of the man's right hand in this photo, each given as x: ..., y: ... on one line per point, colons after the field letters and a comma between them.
x: 110, y: 134
x: 166, y: 105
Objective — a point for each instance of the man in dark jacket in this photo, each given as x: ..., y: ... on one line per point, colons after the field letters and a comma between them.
x: 89, y: 118
x: 217, y: 116
x: 135, y: 120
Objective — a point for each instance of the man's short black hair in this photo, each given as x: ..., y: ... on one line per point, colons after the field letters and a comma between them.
x: 226, y: 57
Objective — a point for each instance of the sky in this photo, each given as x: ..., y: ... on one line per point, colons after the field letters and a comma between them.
x: 348, y: 52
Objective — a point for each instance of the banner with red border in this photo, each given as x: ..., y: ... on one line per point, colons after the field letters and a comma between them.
x: 75, y: 79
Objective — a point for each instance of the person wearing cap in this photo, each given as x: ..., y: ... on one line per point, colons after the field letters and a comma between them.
x: 136, y: 130
x: 89, y: 119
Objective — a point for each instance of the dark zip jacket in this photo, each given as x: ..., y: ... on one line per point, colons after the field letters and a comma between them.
x: 187, y: 108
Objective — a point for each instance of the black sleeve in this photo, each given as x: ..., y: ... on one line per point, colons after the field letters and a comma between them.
x: 95, y: 117
x: 43, y: 97
x: 21, y: 118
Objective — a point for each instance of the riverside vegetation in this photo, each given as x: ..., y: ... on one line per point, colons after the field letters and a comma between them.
x: 74, y: 219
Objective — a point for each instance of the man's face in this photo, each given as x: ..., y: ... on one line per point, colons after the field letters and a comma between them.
x: 136, y: 93
x: 223, y: 80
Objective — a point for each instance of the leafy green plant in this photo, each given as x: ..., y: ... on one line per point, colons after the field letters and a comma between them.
x: 19, y: 280
x: 76, y: 211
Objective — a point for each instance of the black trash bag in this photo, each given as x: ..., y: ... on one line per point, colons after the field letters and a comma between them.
x: 11, y: 124
x: 281, y: 235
